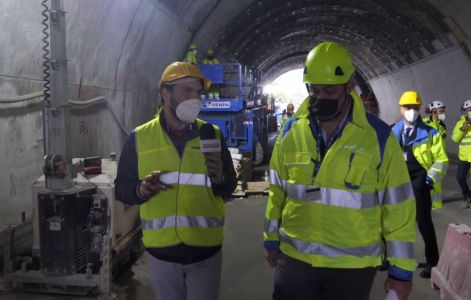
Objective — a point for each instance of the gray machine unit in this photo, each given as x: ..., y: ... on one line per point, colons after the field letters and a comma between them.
x: 80, y: 237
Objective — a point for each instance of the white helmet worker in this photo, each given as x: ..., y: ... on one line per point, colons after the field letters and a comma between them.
x: 466, y: 104
x: 436, y: 104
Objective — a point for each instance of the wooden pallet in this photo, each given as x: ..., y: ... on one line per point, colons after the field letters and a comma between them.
x: 252, y: 188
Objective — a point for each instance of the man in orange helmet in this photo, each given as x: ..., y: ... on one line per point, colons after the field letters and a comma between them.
x: 179, y: 189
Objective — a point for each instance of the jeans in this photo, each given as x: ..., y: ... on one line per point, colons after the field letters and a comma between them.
x: 462, y: 177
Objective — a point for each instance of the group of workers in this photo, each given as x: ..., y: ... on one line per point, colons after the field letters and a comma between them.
x: 345, y: 190
x: 191, y: 56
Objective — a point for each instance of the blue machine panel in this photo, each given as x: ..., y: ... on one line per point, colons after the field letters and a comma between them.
x: 218, y: 105
x: 215, y: 73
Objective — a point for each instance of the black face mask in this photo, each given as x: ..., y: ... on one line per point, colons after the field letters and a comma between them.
x: 326, y: 109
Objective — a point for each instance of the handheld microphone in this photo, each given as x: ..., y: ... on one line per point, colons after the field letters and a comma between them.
x: 209, y: 142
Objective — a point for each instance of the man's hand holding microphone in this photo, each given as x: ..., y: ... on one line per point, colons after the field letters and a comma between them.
x: 211, y: 148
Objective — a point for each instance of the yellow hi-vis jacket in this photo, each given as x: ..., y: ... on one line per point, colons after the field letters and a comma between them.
x: 429, y: 150
x: 187, y: 212
x: 360, y: 195
x: 438, y: 125
x: 463, y: 138
x: 190, y: 57
x: 213, y: 61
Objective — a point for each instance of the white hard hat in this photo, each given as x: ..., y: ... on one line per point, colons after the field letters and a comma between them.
x: 436, y: 104
x: 466, y: 104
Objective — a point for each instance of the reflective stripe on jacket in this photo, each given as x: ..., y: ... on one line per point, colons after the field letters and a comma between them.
x: 187, y: 212
x: 429, y: 150
x: 360, y: 196
x: 463, y: 138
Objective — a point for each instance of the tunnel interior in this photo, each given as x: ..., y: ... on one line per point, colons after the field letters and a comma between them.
x: 275, y: 36
x: 117, y: 51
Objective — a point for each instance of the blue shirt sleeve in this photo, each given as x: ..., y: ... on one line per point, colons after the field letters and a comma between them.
x: 127, y: 178
x: 271, y: 245
x: 400, y: 274
x: 227, y: 187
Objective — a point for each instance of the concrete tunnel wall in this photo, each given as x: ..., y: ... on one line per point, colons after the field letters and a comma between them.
x: 445, y: 77
x: 118, y: 49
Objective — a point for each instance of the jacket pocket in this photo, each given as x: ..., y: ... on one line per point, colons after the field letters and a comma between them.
x: 299, y: 165
x: 357, y: 169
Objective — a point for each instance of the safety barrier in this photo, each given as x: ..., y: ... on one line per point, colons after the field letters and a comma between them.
x: 452, y: 275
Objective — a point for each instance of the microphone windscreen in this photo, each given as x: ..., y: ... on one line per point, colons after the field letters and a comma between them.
x: 208, y: 140
x: 207, y: 132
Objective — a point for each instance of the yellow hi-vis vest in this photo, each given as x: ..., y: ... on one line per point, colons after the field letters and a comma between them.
x: 429, y: 150
x: 437, y: 125
x: 464, y: 139
x: 360, y: 195
x: 187, y: 212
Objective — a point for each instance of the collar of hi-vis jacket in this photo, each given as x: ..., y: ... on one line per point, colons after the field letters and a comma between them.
x: 358, y: 116
x: 422, y: 131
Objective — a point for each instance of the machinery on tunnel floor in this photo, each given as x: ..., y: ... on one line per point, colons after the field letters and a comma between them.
x: 238, y: 108
x: 81, y: 233
x: 81, y: 236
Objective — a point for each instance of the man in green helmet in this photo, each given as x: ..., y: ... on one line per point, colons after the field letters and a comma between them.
x: 340, y: 199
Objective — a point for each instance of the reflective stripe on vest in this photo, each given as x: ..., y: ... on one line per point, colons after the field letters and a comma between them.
x: 397, y: 195
x: 400, y: 249
x: 331, y: 251
x: 330, y: 196
x: 276, y: 180
x: 183, y: 221
x: 185, y: 178
x: 272, y: 226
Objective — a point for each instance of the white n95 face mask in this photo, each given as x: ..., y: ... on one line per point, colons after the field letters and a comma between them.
x: 441, y: 117
x: 188, y: 110
x: 411, y: 115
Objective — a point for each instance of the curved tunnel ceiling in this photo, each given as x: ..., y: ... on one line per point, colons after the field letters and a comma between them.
x: 276, y: 35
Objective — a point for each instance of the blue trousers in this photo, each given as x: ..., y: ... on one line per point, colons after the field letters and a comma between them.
x: 297, y: 280
x: 462, y: 177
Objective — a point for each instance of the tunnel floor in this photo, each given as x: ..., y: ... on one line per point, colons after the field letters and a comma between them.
x: 246, y: 275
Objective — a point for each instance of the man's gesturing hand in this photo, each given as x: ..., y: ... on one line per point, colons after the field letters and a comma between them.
x: 151, y: 185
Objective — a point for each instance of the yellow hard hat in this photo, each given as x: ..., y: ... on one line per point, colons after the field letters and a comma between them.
x: 290, y: 106
x: 210, y: 52
x: 179, y: 69
x: 410, y: 98
x: 328, y: 63
x: 192, y: 46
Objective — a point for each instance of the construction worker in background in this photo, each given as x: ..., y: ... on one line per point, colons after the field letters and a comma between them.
x: 437, y: 117
x: 339, y: 193
x: 462, y: 135
x: 424, y: 153
x: 288, y: 115
x: 213, y: 93
x: 180, y: 190
x: 210, y: 59
x: 191, y: 54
